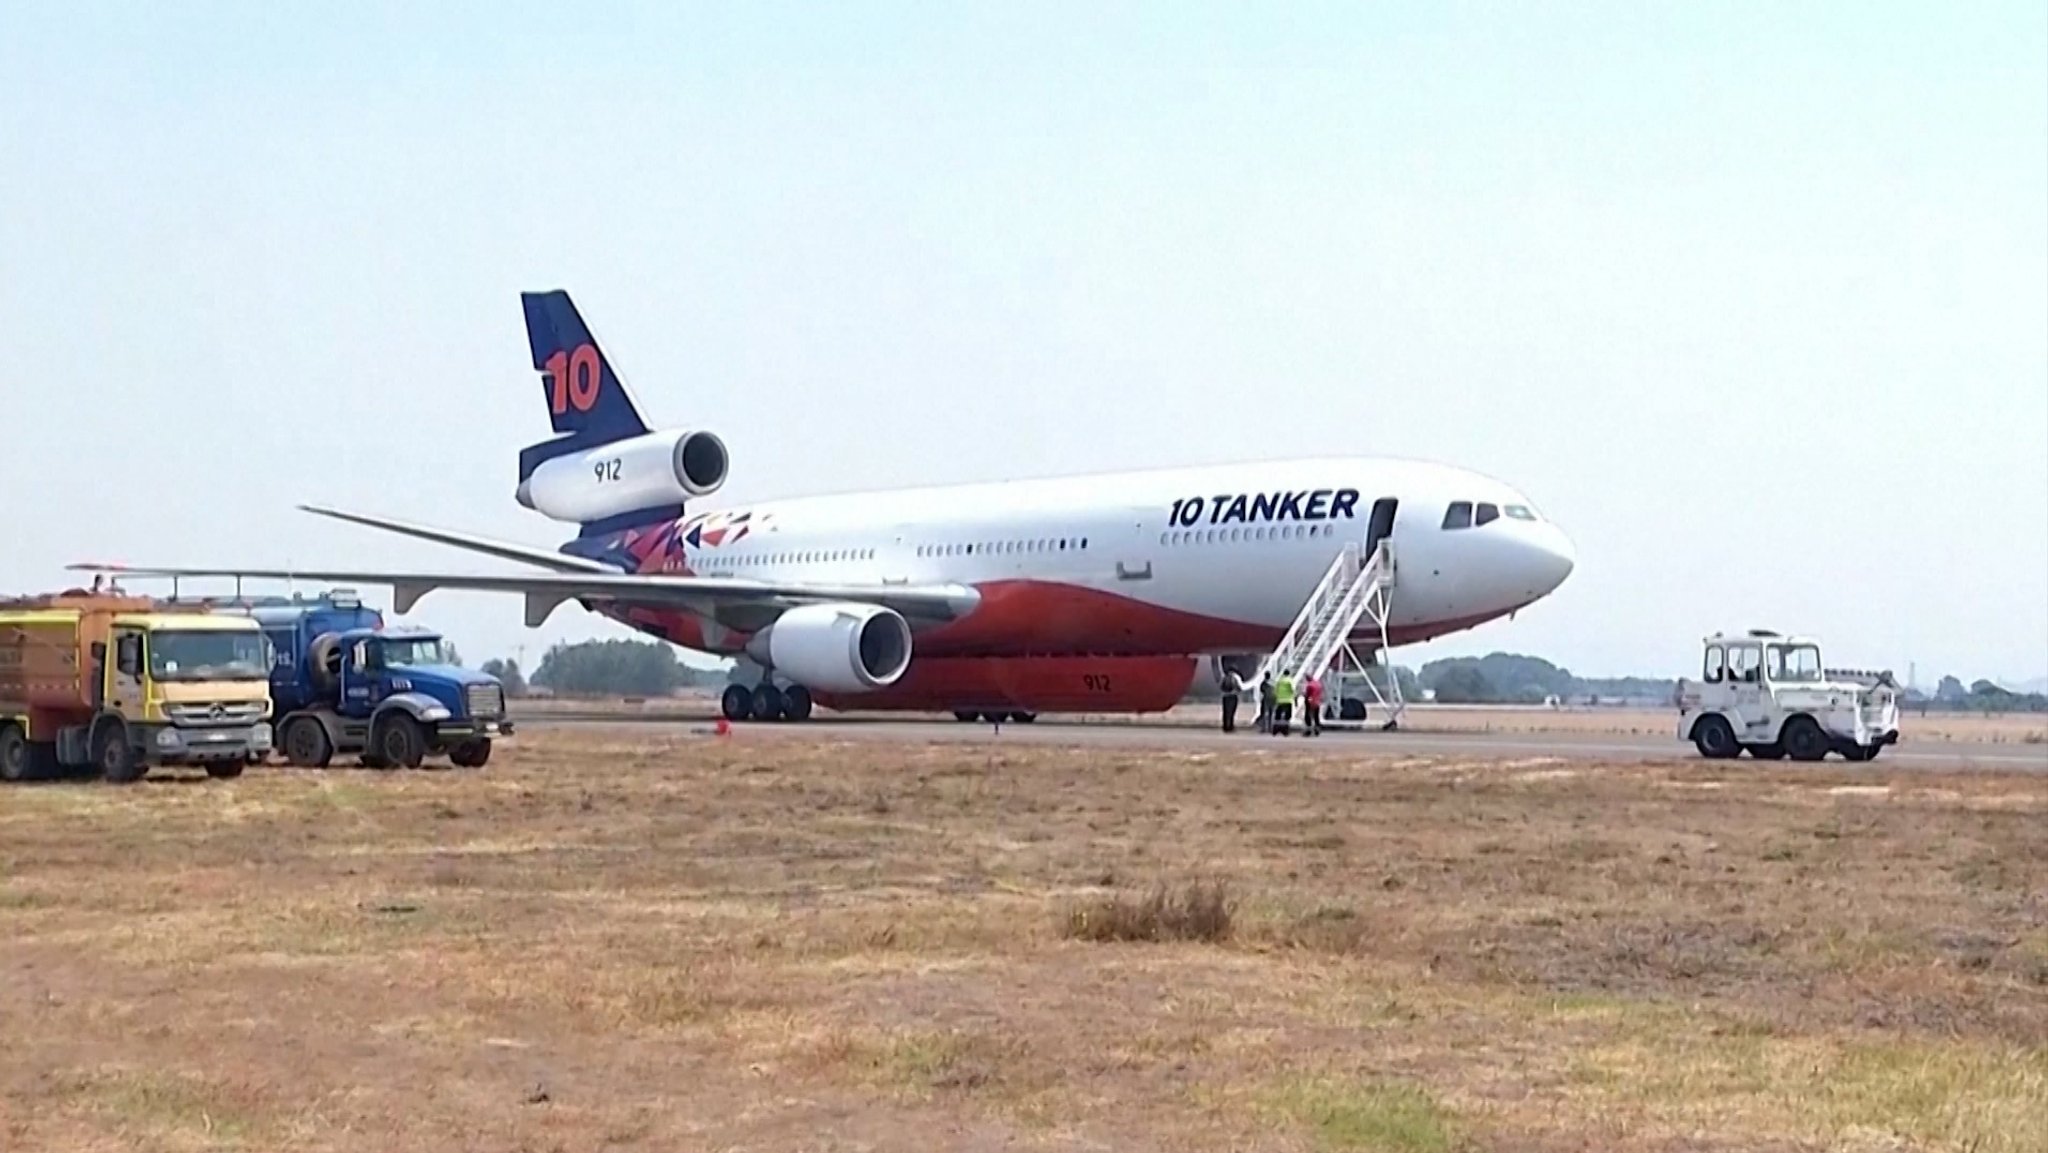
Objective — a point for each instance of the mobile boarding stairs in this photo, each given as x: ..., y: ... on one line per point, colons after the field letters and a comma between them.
x: 1352, y: 591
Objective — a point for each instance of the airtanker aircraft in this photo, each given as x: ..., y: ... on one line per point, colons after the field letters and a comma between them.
x: 1100, y: 593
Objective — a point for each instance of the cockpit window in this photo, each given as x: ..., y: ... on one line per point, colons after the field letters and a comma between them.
x: 1459, y: 515
x: 1487, y: 513
x: 1519, y: 511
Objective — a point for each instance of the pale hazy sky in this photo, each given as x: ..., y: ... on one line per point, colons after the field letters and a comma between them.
x: 1751, y: 298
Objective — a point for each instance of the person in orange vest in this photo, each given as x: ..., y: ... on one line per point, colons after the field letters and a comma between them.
x: 1312, y: 711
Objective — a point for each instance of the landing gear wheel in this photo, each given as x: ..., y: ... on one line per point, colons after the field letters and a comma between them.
x: 796, y: 703
x: 737, y: 703
x: 995, y: 718
x: 767, y: 703
x: 1023, y: 718
x: 306, y: 744
x: 1804, y: 740
x: 470, y: 754
x: 1775, y: 751
x: 966, y: 716
x: 1715, y: 740
x: 117, y: 761
x: 13, y: 753
x: 400, y: 743
x: 224, y: 770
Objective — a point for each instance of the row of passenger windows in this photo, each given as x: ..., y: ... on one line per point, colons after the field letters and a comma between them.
x: 833, y: 556
x: 818, y: 556
x: 1256, y: 533
x: 1003, y: 547
x: 1464, y: 514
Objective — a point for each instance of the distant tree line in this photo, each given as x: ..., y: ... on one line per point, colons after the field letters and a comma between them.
x: 1981, y: 696
x: 1512, y: 678
x: 608, y: 668
x: 508, y: 674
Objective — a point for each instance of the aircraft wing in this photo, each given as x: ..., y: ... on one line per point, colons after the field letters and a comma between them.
x: 735, y: 603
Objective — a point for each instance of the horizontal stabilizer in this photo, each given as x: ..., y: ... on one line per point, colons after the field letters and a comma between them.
x: 485, y: 546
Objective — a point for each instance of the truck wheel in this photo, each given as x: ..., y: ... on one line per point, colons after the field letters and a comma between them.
x: 737, y: 703
x: 224, y: 770
x: 1804, y: 740
x: 400, y: 742
x: 470, y: 754
x: 114, y: 757
x: 1713, y: 737
x: 966, y: 716
x: 13, y: 753
x: 306, y: 744
x: 1023, y: 718
x: 796, y: 703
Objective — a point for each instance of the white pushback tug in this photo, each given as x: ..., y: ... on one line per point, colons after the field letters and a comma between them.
x: 1769, y: 694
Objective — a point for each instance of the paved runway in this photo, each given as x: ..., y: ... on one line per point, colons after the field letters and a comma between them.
x: 1927, y: 755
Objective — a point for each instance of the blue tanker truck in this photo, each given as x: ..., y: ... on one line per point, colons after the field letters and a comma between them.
x: 342, y: 683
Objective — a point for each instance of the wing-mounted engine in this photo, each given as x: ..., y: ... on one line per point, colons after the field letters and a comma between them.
x: 836, y: 647
x: 647, y: 471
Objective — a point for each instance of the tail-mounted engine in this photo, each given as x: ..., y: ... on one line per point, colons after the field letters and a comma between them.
x: 649, y: 471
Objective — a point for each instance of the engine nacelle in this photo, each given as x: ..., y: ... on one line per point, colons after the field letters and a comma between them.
x: 645, y: 472
x: 836, y: 648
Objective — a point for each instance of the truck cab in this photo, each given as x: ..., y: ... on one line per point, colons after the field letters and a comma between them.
x: 1770, y: 694
x: 346, y: 683
x: 118, y: 684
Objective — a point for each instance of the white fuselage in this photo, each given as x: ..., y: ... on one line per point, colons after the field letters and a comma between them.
x: 1229, y: 551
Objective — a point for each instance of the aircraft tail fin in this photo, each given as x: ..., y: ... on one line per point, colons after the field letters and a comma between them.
x: 586, y: 400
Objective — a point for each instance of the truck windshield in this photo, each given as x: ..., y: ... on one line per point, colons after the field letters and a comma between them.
x: 1795, y: 664
x: 209, y: 655
x: 410, y: 651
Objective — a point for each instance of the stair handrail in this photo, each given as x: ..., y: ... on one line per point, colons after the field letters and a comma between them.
x: 1291, y: 638
x: 1351, y: 605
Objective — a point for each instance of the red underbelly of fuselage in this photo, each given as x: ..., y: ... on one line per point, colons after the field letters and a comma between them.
x: 938, y: 682
x: 1029, y: 684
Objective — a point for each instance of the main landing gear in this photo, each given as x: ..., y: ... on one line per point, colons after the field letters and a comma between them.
x: 765, y: 702
x: 993, y: 717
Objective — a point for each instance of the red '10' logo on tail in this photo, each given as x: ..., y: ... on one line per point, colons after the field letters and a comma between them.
x: 577, y: 377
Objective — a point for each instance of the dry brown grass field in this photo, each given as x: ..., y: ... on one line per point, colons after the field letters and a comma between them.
x: 650, y: 940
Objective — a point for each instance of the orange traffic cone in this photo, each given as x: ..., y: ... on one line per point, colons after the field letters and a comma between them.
x: 723, y: 728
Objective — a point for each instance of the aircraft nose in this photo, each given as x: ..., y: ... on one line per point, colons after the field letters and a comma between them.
x: 1552, y: 557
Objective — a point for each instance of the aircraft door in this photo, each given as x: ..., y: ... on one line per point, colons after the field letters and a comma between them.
x: 1381, y: 525
x: 894, y: 560
x: 1134, y: 554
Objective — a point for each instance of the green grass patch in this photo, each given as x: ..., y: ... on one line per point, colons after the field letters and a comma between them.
x: 1376, y: 1116
x: 163, y: 1105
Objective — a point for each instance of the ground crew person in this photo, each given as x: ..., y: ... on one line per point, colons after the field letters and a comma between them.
x: 1312, y: 707
x: 1232, y: 686
x: 1283, y: 703
x: 1265, y: 721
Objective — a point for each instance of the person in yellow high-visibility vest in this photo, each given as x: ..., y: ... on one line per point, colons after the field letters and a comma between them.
x: 1283, y: 703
